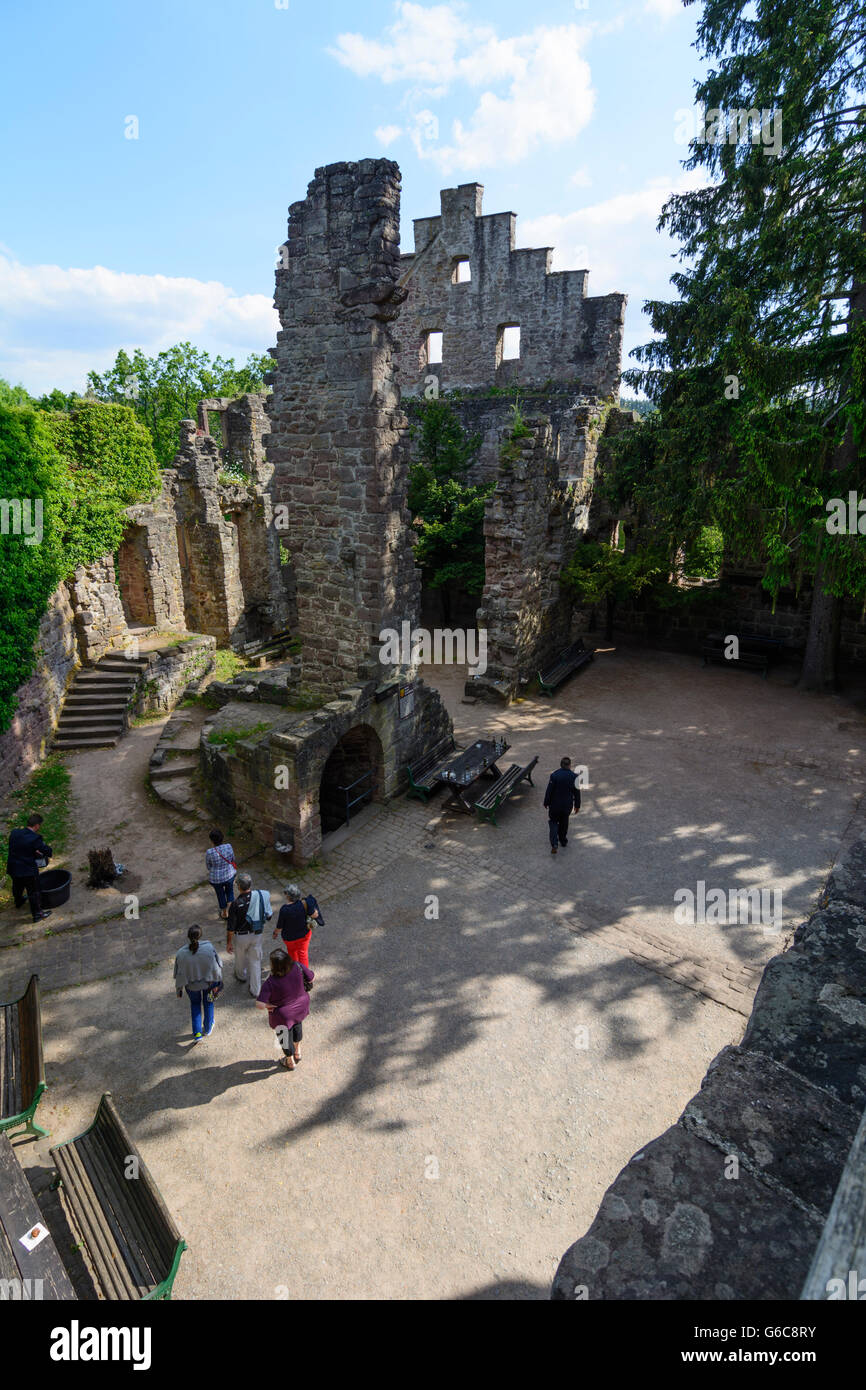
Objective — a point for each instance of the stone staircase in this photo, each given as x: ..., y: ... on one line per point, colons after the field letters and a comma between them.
x: 95, y: 710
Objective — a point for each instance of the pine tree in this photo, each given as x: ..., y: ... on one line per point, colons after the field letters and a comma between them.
x: 759, y: 370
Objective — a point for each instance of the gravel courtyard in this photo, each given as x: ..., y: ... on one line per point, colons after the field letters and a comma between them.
x: 471, y: 1082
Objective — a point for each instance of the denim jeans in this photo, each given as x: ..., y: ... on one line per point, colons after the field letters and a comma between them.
x: 225, y: 893
x: 197, y: 998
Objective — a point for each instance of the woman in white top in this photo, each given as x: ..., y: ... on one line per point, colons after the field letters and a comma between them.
x: 197, y: 969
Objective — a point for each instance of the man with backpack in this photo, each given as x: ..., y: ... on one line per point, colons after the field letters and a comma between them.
x: 246, y: 922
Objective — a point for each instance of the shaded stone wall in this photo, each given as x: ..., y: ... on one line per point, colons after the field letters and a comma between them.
x: 337, y: 439
x: 738, y: 603
x: 785, y: 1105
x: 566, y: 336
x: 530, y: 526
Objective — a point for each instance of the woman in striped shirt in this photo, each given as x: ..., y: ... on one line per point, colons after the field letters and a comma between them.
x: 221, y: 870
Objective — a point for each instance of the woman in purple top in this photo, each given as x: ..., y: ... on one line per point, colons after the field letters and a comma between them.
x: 285, y: 995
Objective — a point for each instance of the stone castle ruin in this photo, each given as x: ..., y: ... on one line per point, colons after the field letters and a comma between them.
x: 287, y: 512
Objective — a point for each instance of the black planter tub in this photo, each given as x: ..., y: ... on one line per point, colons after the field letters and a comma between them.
x: 54, y: 887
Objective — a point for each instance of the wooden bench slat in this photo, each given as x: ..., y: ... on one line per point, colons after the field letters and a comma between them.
x: 488, y: 804
x: 576, y: 656
x: 143, y: 1195
x: 139, y: 1254
x: 84, y: 1210
x: 131, y: 1239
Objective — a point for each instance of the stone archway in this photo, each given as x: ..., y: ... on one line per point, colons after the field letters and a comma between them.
x: 352, y: 777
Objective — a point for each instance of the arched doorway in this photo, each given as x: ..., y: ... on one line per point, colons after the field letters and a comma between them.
x: 352, y: 777
x: 133, y: 579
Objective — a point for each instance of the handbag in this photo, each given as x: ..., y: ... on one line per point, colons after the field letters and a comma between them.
x: 215, y: 991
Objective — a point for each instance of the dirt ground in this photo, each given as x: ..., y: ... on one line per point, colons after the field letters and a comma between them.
x: 471, y: 1083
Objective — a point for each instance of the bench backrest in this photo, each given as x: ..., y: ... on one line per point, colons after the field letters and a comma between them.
x: 445, y: 745
x: 131, y: 1207
x: 22, y: 1066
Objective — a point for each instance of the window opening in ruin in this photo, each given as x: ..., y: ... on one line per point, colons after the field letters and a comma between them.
x: 462, y: 271
x: 508, y: 347
x: 215, y: 424
x: 434, y: 349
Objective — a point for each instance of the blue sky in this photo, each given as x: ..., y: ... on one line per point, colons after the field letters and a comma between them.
x: 567, y: 113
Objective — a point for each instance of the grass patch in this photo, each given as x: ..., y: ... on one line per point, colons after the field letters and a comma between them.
x: 142, y: 719
x: 231, y: 737
x: 227, y: 664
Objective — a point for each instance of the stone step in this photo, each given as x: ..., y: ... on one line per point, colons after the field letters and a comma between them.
x: 76, y: 741
x: 79, y: 730
x: 86, y: 703
x: 83, y: 719
x: 171, y: 771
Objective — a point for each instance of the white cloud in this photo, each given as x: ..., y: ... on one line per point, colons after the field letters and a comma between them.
x: 580, y: 179
x: 58, y: 323
x: 664, y: 9
x: 617, y: 242
x: 545, y: 95
x: 387, y: 134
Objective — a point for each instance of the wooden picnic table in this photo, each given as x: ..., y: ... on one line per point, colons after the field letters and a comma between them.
x: 18, y: 1215
x: 479, y: 758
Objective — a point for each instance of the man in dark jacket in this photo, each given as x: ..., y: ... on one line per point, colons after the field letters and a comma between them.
x: 561, y: 798
x: 25, y: 847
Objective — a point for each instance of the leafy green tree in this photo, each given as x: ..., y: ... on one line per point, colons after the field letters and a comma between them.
x: 447, y: 512
x: 166, y: 389
x: 76, y: 473
x: 31, y: 474
x: 13, y: 395
x: 759, y: 368
x: 603, y: 574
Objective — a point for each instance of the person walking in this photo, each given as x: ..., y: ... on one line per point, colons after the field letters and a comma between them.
x: 561, y: 798
x: 198, y: 970
x: 221, y: 870
x: 286, y: 996
x: 246, y: 922
x: 26, y: 849
x: 295, y: 923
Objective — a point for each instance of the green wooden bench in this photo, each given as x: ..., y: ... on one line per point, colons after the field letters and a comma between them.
x: 115, y: 1207
x: 22, y: 1066
x: 572, y: 659
x: 424, y: 774
x: 499, y: 792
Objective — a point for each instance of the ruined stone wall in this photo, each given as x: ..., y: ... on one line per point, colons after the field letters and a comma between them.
x: 337, y: 440
x: 740, y: 604
x: 242, y: 781
x: 785, y: 1104
x: 40, y: 699
x: 573, y: 421
x: 566, y: 336
x: 530, y: 527
x: 100, y: 621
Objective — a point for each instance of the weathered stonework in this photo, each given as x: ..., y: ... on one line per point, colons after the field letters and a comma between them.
x: 566, y: 336
x: 338, y: 447
x: 40, y: 699
x: 337, y: 438
x: 169, y: 672
x: 785, y: 1105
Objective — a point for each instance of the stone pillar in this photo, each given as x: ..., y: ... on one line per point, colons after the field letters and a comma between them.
x: 337, y: 441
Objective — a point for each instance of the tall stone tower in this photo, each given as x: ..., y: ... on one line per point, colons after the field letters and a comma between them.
x: 337, y: 438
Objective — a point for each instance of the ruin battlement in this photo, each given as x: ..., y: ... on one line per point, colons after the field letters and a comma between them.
x: 468, y: 281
